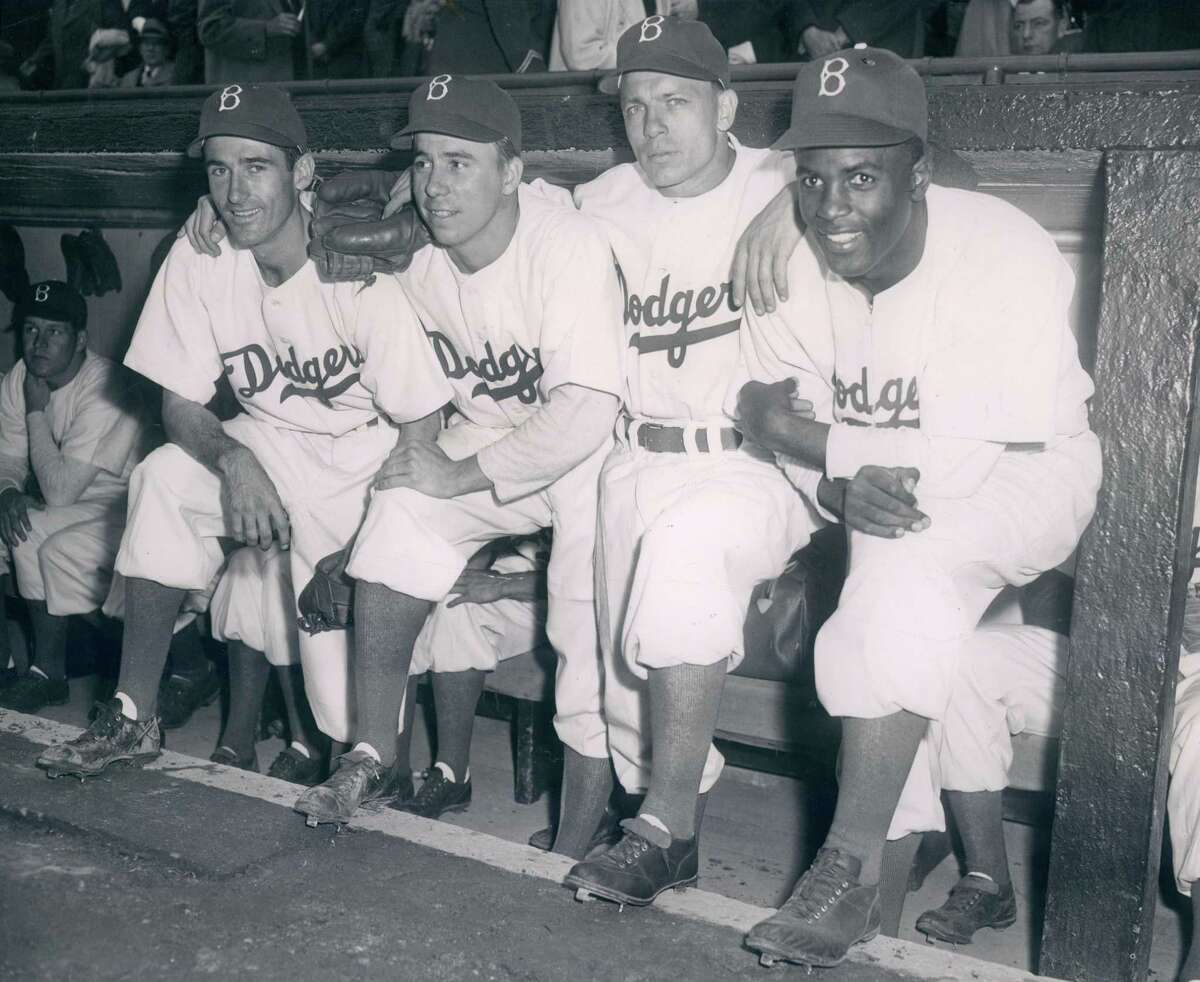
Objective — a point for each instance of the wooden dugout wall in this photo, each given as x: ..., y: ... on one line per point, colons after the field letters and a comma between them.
x: 1108, y: 162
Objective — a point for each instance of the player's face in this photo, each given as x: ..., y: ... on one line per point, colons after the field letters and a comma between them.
x: 50, y: 348
x: 462, y: 189
x: 860, y: 203
x: 677, y: 128
x: 1035, y: 28
x: 252, y: 186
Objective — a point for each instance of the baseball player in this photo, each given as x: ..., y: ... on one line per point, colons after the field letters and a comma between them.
x: 495, y: 611
x: 940, y: 386
x: 519, y: 299
x: 71, y: 424
x: 312, y: 364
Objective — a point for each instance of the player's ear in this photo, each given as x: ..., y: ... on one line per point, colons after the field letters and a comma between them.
x: 303, y: 172
x: 81, y: 340
x: 727, y: 104
x: 922, y: 174
x: 510, y: 180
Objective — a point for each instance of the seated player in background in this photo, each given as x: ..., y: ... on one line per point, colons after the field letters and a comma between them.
x: 71, y: 432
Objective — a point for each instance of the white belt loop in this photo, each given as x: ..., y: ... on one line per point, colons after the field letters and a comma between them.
x: 715, y: 445
x: 631, y: 433
x: 689, y: 439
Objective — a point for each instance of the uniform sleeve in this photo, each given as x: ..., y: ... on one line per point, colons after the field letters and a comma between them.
x: 173, y: 344
x: 244, y: 38
x: 107, y: 428
x: 14, y: 437
x: 582, y: 37
x: 581, y: 312
x: 950, y: 468
x: 558, y: 437
x: 400, y: 369
x: 551, y: 192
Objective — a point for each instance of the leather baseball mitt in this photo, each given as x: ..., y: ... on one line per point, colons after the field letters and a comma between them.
x: 351, y: 240
x: 327, y: 601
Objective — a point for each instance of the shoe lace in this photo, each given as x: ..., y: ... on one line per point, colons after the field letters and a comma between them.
x: 353, y: 773
x: 105, y: 724
x: 432, y: 788
x: 962, y: 898
x: 628, y: 851
x: 819, y: 888
x: 286, y: 763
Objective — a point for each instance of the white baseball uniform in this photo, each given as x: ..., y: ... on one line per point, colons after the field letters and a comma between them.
x: 313, y: 365
x: 480, y: 636
x: 967, y: 370
x: 254, y: 603
x: 684, y: 536
x: 96, y: 418
x: 539, y: 317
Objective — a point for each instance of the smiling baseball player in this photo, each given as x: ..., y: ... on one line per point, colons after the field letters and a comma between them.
x: 312, y: 364
x: 939, y: 340
x: 520, y: 302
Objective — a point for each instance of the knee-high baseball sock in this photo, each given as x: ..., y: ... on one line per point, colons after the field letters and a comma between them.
x: 979, y: 816
x: 186, y: 656
x: 405, y: 736
x: 150, y: 612
x: 898, y: 855
x: 6, y: 652
x: 684, y: 700
x: 455, y: 696
x: 1191, y: 966
x: 302, y: 728
x: 248, y: 674
x: 49, y: 641
x: 386, y: 625
x: 587, y: 785
x: 876, y: 757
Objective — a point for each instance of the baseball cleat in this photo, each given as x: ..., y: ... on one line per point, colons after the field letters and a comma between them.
x: 31, y: 692
x: 828, y: 912
x: 437, y: 796
x: 608, y: 833
x: 181, y: 695
x: 975, y: 903
x: 228, y: 757
x: 635, y: 871
x: 292, y: 766
x: 359, y: 780
x: 111, y: 740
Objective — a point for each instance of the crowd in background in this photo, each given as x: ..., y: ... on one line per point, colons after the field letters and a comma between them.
x: 68, y: 44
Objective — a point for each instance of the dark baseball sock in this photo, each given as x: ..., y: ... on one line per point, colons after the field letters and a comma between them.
x: 150, y: 612
x: 684, y: 700
x: 455, y: 696
x: 302, y: 728
x: 6, y: 648
x: 248, y: 674
x: 185, y: 655
x: 405, y: 736
x: 979, y: 817
x: 898, y: 856
x: 386, y: 625
x: 1191, y: 966
x: 587, y: 785
x: 876, y: 756
x: 49, y: 640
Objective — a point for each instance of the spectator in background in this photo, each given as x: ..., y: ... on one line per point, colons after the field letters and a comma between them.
x: 480, y: 37
x: 381, y: 36
x: 335, y: 38
x: 768, y: 30
x: 1043, y: 27
x: 250, y: 40
x: 9, y: 78
x: 58, y: 61
x: 827, y: 26
x: 586, y: 31
x: 154, y: 46
x: 986, y: 29
x: 183, y: 18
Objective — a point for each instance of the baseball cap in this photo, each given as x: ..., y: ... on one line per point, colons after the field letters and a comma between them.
x: 685, y: 48
x: 860, y: 97
x: 53, y: 300
x: 154, y: 29
x: 458, y: 105
x: 256, y: 112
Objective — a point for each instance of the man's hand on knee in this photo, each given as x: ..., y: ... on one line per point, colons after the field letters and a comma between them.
x: 423, y: 466
x: 14, y: 516
x: 256, y: 512
x: 880, y: 501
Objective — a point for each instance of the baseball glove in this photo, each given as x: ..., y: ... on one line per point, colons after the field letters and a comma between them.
x: 351, y: 240
x: 327, y: 602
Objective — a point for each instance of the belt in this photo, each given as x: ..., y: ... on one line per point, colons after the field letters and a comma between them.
x: 658, y: 438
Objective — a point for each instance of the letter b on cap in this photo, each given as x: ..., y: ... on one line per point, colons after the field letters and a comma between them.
x: 654, y: 24
x: 231, y: 98
x: 42, y: 293
x: 439, y: 87
x: 833, y: 76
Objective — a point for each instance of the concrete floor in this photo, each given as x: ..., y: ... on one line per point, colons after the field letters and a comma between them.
x: 754, y: 825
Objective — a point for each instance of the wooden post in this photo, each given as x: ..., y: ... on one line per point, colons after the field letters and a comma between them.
x: 1132, y: 574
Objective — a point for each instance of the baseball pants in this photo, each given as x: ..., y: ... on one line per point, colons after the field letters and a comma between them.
x: 418, y: 545
x: 254, y: 604
x: 67, y: 558
x: 683, y: 540
x: 176, y: 519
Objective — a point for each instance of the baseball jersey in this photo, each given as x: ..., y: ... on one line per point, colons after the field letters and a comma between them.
x: 673, y: 258
x: 95, y: 419
x: 968, y: 355
x: 541, y: 315
x: 305, y: 355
